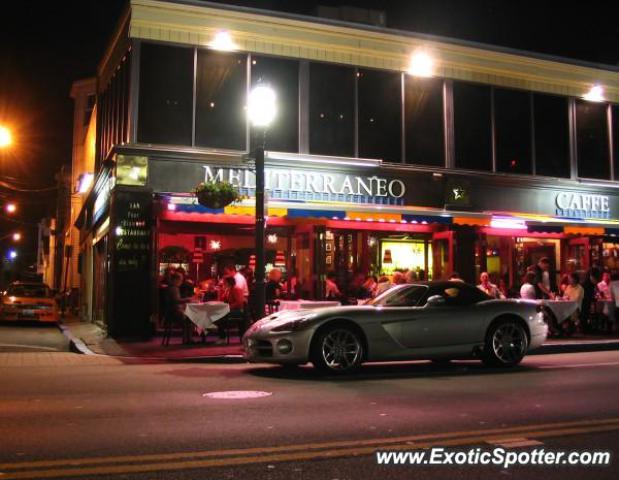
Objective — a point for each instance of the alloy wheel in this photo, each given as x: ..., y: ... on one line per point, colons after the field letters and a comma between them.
x: 341, y: 350
x: 509, y: 343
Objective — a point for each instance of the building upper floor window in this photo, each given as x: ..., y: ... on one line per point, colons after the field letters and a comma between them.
x: 592, y: 140
x: 380, y: 114
x: 283, y: 76
x: 472, y: 126
x: 424, y: 125
x: 512, y: 127
x: 166, y: 94
x: 221, y: 91
x: 552, y: 141
x: 332, y: 110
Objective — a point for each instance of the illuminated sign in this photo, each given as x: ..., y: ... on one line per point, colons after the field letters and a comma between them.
x: 582, y: 205
x: 308, y: 185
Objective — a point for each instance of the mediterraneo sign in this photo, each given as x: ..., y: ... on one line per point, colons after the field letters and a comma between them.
x: 291, y: 184
x: 582, y: 205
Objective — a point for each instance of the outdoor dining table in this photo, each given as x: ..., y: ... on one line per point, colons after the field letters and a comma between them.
x: 561, y: 309
x: 204, y: 315
x: 306, y: 304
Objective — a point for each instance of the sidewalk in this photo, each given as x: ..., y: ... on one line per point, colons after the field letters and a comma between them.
x: 88, y: 338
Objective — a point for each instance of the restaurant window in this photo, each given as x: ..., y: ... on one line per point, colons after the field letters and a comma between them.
x: 472, y: 126
x: 332, y: 110
x: 166, y: 94
x: 512, y: 121
x: 283, y: 77
x: 380, y: 117
x: 615, y: 120
x: 592, y: 140
x: 551, y: 136
x: 425, y: 142
x: 221, y: 85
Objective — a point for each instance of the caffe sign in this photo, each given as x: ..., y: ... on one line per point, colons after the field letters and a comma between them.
x: 294, y: 184
x: 582, y: 205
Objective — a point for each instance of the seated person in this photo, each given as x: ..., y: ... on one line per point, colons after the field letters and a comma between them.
x: 332, y: 291
x: 527, y: 291
x: 274, y: 286
x: 231, y: 294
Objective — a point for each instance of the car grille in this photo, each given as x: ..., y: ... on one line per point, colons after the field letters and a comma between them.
x: 264, y: 348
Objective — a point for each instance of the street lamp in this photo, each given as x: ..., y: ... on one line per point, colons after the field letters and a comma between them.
x: 261, y: 111
x: 10, y: 208
x: 12, y: 254
x: 16, y: 237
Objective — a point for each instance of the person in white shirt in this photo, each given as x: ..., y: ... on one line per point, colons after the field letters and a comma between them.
x: 241, y: 282
x: 603, y: 287
x: 574, y: 291
x: 527, y: 290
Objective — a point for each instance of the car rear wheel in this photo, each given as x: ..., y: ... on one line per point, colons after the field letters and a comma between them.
x: 506, y: 344
x: 337, y: 349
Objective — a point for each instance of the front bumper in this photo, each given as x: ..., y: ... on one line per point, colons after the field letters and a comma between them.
x: 277, y: 347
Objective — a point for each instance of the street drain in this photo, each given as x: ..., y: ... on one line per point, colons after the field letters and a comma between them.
x: 237, y: 394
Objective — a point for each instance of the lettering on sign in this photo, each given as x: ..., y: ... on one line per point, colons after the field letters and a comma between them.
x: 297, y: 184
x: 582, y: 205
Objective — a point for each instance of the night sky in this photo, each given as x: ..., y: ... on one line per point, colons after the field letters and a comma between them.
x: 44, y: 46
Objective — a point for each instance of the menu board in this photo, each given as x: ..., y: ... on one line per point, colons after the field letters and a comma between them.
x: 132, y: 231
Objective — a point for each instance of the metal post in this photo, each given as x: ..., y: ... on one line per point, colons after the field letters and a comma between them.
x: 260, y: 227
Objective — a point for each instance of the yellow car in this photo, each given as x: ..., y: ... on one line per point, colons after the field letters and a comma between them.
x: 30, y: 302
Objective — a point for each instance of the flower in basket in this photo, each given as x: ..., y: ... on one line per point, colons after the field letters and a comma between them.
x: 216, y: 194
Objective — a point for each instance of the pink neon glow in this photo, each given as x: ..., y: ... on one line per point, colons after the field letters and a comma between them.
x: 509, y: 223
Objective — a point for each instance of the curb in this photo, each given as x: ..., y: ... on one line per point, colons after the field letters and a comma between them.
x: 76, y: 345
x: 569, y: 347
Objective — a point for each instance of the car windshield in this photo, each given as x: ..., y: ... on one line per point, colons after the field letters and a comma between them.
x: 401, y: 296
x: 28, y: 291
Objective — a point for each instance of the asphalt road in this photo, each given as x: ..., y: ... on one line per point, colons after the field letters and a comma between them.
x: 107, y: 419
x: 32, y: 337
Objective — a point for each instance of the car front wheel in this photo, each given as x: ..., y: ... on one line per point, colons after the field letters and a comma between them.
x: 506, y: 344
x: 337, y: 349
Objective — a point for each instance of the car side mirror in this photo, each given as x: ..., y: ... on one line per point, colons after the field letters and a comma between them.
x: 436, y: 301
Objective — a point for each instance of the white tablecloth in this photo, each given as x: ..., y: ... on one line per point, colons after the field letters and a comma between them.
x: 206, y: 314
x: 561, y: 309
x: 303, y: 304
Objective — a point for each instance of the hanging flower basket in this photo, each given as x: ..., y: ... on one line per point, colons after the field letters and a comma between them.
x: 216, y: 194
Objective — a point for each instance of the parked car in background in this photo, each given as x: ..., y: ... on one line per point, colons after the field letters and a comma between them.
x: 28, y: 301
x: 439, y: 321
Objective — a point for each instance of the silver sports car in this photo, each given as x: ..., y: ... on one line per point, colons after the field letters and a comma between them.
x: 427, y: 320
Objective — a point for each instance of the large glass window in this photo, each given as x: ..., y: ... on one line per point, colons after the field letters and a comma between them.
x: 332, y: 110
x: 592, y: 140
x: 425, y: 142
x: 472, y: 126
x: 220, y: 98
x: 615, y: 118
x: 166, y: 94
x: 283, y: 76
x: 552, y: 141
x: 380, y: 115
x: 512, y: 122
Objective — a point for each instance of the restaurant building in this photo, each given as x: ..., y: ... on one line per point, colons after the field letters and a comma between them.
x: 390, y: 150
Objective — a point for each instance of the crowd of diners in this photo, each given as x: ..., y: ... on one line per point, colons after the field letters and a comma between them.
x: 595, y: 291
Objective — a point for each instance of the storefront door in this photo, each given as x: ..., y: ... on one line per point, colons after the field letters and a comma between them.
x: 442, y: 255
x: 577, y: 258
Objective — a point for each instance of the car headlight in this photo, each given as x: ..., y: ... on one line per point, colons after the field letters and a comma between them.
x: 294, y: 324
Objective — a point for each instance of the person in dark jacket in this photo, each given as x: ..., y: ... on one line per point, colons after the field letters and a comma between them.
x: 589, y: 286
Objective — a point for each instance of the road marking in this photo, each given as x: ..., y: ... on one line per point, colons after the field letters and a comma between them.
x: 580, y: 365
x: 34, y: 347
x: 237, y: 394
x: 278, y: 457
x: 284, y: 453
x: 517, y: 442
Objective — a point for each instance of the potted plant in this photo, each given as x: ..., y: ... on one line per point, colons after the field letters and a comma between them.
x: 216, y: 194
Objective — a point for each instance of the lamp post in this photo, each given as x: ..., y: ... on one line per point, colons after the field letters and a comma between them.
x: 261, y: 111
